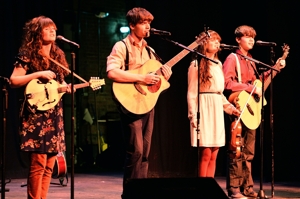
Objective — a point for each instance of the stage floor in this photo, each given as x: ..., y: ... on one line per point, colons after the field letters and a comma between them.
x: 108, y: 185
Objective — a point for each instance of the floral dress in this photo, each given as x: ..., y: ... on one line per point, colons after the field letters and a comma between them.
x: 41, y: 131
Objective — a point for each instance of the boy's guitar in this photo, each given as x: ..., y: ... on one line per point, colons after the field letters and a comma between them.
x: 45, y: 95
x: 252, y: 114
x: 140, y: 98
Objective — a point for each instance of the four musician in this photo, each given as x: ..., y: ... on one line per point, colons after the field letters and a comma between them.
x: 42, y: 132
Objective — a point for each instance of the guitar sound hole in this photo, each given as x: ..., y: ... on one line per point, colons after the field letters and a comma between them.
x: 154, y: 87
x: 256, y: 98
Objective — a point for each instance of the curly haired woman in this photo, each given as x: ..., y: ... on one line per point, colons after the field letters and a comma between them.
x: 42, y: 132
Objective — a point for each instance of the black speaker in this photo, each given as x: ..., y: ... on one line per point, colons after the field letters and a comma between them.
x: 175, y: 188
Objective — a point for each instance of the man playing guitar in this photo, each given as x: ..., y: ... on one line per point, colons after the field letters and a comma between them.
x: 137, y: 127
x: 240, y: 74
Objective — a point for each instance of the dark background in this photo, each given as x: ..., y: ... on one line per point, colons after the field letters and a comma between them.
x: 171, y: 154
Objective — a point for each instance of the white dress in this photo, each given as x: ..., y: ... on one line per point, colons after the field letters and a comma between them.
x: 212, y: 101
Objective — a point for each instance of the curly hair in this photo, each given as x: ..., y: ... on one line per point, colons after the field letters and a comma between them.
x: 32, y: 42
x: 204, y: 63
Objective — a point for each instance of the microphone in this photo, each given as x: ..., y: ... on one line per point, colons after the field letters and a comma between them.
x: 67, y: 41
x: 159, y: 32
x: 264, y: 43
x: 228, y: 47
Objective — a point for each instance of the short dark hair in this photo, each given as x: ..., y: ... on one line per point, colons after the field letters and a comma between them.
x: 138, y: 15
x: 245, y: 30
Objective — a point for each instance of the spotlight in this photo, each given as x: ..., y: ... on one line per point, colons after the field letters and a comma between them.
x: 102, y: 14
x: 124, y: 29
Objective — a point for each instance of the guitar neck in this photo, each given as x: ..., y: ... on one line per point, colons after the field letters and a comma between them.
x: 274, y: 73
x: 277, y: 66
x: 77, y: 86
x: 180, y: 55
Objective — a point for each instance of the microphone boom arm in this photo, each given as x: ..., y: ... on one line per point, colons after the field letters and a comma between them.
x: 191, y: 50
x: 258, y: 62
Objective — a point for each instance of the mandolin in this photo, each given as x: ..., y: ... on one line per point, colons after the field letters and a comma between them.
x: 45, y: 95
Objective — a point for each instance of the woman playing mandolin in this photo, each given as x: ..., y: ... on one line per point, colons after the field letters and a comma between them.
x: 42, y: 132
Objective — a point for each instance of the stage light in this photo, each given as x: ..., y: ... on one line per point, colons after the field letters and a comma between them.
x: 124, y: 29
x: 102, y: 14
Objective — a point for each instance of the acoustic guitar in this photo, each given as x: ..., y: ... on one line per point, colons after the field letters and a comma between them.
x: 140, y: 98
x: 252, y: 114
x: 45, y: 95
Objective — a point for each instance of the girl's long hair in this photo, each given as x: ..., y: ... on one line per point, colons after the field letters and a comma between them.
x: 204, y: 63
x: 32, y: 42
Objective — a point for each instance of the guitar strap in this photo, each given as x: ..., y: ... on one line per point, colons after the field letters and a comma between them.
x: 149, y: 50
x: 127, y: 57
x: 155, y: 54
x: 256, y: 73
x: 238, y: 68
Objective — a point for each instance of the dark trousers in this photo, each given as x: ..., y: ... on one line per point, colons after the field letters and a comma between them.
x: 239, y: 170
x: 137, y: 135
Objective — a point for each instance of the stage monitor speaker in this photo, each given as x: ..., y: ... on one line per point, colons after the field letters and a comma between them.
x: 175, y: 188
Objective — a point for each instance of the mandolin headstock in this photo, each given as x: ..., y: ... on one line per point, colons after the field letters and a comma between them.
x: 96, y: 83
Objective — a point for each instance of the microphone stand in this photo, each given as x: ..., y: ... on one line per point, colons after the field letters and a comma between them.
x: 272, y: 57
x: 191, y: 50
x: 261, y: 193
x: 72, y: 122
x: 5, y: 108
x: 72, y: 107
x: 258, y: 62
x: 198, y: 90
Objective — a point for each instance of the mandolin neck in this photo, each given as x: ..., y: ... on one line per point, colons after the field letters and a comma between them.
x: 63, y: 88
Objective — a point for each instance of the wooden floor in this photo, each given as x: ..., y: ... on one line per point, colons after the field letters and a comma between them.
x: 108, y: 185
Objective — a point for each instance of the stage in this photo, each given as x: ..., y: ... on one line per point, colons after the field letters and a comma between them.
x: 108, y: 185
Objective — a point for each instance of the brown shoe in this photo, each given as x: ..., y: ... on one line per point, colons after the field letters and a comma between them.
x: 237, y: 195
x: 249, y: 192
x: 234, y: 192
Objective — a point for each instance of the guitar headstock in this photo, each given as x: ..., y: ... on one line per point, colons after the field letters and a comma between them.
x: 285, y: 49
x: 206, y: 35
x: 96, y: 83
x: 202, y: 37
